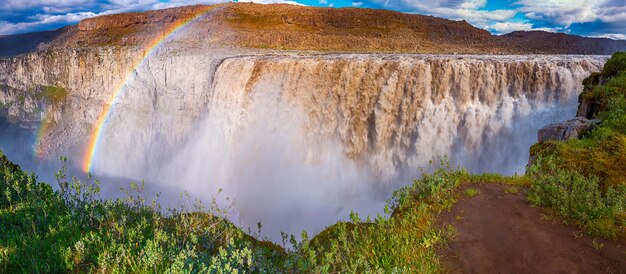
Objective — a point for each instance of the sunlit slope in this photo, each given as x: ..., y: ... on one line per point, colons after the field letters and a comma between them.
x: 293, y: 27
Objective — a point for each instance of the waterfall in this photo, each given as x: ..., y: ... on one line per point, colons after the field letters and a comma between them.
x: 298, y: 141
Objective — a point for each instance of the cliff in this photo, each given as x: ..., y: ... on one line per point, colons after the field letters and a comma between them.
x: 87, y: 79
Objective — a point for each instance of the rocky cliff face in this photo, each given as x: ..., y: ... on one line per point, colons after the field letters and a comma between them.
x: 171, y: 85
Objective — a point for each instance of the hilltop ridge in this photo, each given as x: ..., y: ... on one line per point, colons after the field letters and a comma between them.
x: 290, y: 27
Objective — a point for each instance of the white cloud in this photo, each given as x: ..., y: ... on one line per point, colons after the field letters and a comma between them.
x: 566, y: 13
x: 473, y: 4
x: 42, y: 20
x: 271, y: 2
x: 470, y: 10
x: 29, y: 4
x: 54, y: 13
x: 614, y: 36
x: 506, y: 27
x: 556, y: 14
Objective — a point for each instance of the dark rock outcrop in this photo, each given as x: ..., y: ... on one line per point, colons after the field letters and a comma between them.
x: 563, y: 131
x: 588, y: 106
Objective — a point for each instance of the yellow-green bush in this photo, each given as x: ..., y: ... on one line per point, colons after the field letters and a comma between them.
x: 581, y: 199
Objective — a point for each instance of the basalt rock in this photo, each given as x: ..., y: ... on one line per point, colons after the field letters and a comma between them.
x: 588, y: 106
x: 563, y: 131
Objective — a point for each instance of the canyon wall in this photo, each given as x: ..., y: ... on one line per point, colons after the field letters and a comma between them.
x: 162, y: 95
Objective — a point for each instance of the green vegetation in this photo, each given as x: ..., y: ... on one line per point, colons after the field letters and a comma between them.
x: 584, y: 180
x: 404, y: 243
x: 512, y: 190
x: 471, y: 192
x: 73, y: 229
x: 52, y: 94
x: 597, y: 245
x: 577, y: 198
x: 615, y: 65
x: 493, y: 178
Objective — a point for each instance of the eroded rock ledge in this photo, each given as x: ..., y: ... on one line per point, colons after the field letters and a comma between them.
x: 570, y: 129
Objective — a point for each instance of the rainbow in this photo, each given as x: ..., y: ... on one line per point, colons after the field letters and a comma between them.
x: 42, y: 131
x: 104, y: 116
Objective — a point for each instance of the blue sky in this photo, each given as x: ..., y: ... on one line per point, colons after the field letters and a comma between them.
x: 596, y: 18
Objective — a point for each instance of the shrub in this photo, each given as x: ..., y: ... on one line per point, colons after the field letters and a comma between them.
x: 578, y: 198
x: 404, y: 242
x: 615, y: 64
x: 600, y: 153
x: 74, y: 230
x: 471, y: 192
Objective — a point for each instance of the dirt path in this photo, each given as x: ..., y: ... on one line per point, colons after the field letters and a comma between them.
x: 498, y: 232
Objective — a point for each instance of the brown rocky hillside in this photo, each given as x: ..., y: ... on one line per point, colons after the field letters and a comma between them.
x: 304, y: 28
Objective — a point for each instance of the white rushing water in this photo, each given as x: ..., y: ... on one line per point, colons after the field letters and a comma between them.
x: 299, y: 141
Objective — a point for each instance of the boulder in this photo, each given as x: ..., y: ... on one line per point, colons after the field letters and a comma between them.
x: 569, y: 129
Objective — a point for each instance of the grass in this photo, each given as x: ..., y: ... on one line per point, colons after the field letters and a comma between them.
x: 615, y: 65
x: 512, y: 190
x: 72, y: 229
x: 471, y: 192
x: 405, y: 242
x: 601, y: 152
x: 597, y: 245
x: 494, y: 178
x: 579, y: 199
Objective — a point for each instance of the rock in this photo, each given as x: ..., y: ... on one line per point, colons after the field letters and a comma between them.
x: 564, y: 131
x: 588, y: 106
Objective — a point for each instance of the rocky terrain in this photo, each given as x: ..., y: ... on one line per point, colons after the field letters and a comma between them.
x: 304, y: 28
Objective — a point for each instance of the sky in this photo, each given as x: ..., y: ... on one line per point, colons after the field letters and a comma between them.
x: 593, y: 18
